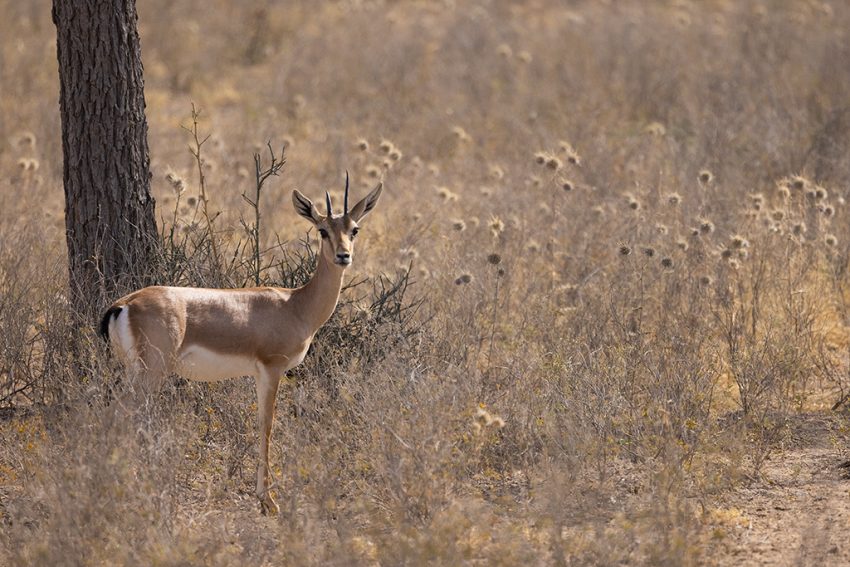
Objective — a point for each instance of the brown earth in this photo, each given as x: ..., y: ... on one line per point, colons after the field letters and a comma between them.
x: 798, y: 511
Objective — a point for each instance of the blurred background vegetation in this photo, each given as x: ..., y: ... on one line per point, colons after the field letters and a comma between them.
x: 605, y: 284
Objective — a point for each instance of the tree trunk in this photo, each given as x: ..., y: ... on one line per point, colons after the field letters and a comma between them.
x: 109, y: 211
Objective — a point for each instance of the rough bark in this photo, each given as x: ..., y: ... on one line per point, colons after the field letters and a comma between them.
x: 109, y: 211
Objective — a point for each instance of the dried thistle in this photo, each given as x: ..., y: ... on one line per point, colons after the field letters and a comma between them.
x: 553, y: 163
x: 496, y: 225
x: 26, y: 139
x: 177, y: 183
x: 461, y: 134
x: 483, y: 417
x: 373, y: 171
x: 739, y: 242
x: 446, y: 194
x: 655, y: 129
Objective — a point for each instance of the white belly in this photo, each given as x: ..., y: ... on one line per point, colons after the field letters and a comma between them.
x: 198, y: 363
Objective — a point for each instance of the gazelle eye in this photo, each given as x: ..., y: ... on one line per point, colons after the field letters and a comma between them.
x: 354, y: 232
x: 323, y: 232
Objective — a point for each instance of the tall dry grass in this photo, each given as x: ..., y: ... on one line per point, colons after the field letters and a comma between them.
x: 609, y: 267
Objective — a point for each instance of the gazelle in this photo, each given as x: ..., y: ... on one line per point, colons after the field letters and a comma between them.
x: 214, y: 334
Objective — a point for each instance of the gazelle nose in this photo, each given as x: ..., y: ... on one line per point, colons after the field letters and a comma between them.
x: 343, y: 257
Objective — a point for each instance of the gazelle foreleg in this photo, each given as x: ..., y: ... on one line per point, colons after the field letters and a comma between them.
x: 268, y: 380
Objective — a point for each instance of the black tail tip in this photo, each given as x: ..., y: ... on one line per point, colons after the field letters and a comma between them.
x: 103, y: 331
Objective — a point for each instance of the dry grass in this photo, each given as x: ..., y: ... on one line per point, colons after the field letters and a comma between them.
x: 626, y: 221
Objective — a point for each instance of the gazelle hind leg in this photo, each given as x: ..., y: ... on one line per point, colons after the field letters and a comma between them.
x: 268, y: 380
x: 147, y: 362
x: 154, y: 372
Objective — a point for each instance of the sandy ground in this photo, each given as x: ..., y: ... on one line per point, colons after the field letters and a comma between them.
x: 798, y: 512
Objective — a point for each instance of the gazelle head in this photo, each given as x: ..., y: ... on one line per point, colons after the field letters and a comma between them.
x: 337, y: 230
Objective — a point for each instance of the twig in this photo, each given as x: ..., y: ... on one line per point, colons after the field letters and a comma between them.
x: 195, y: 150
x: 260, y: 177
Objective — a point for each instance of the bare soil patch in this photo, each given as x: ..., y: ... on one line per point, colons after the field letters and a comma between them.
x: 798, y: 512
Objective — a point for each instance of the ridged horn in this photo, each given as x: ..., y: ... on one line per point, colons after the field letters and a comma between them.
x: 328, y: 203
x: 345, y: 203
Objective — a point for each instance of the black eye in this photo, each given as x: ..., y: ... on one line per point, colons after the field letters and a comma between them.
x: 323, y: 232
x: 354, y: 232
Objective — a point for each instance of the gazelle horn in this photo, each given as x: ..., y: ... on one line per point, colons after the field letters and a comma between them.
x: 345, y: 204
x: 328, y: 203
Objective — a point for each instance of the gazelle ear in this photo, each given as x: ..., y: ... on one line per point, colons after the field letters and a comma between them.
x: 305, y: 207
x: 368, y: 203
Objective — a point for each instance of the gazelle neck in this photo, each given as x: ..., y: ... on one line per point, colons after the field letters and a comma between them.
x: 317, y: 299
